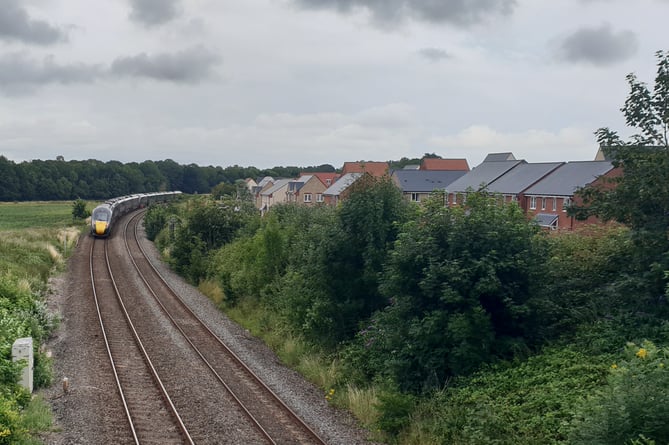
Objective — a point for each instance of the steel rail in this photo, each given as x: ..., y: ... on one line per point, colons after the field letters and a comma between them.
x: 109, y: 353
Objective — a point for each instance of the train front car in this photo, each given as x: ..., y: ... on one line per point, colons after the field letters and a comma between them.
x: 101, y: 219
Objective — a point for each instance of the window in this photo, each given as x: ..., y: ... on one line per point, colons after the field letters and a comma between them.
x: 319, y: 197
x: 543, y: 203
x: 415, y: 197
x: 554, y: 204
x: 307, y: 197
x: 566, y: 202
x: 533, y: 202
x: 328, y: 182
x: 455, y: 198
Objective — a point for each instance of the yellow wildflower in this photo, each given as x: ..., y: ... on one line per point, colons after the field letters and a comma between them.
x: 642, y: 353
x: 614, y: 366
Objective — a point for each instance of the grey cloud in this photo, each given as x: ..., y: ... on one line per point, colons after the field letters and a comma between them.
x: 16, y: 24
x: 20, y: 74
x: 598, y: 46
x: 434, y: 54
x: 188, y: 66
x: 154, y: 12
x: 386, y: 12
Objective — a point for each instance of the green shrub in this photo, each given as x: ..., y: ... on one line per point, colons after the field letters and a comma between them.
x: 79, y: 209
x: 394, y: 410
x: 634, y: 405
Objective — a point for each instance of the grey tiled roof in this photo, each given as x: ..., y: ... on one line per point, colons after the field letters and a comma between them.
x: 567, y: 178
x: 545, y: 219
x: 483, y: 174
x: 521, y: 177
x: 425, y: 181
x: 278, y: 185
x: 342, y: 184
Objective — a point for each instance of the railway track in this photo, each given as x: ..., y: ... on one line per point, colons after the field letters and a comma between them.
x: 177, y: 381
x: 150, y: 413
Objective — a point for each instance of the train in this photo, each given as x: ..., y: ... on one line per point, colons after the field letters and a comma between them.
x: 106, y: 214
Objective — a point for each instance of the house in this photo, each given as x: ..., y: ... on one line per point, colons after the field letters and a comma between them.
x: 479, y: 177
x: 262, y: 185
x: 306, y: 190
x: 547, y: 200
x: 444, y: 164
x: 416, y: 185
x: 274, y: 194
x: 376, y: 169
x: 250, y: 183
x: 514, y: 182
x: 338, y: 191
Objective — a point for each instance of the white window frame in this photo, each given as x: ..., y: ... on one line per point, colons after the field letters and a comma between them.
x: 554, y: 203
x: 415, y: 197
x: 566, y: 202
x: 543, y: 203
x: 307, y: 197
x: 319, y: 197
x: 533, y: 202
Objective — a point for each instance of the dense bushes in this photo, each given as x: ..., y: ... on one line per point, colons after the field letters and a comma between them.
x: 473, y: 326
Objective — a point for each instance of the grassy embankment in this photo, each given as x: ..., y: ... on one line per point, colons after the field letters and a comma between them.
x: 35, y: 240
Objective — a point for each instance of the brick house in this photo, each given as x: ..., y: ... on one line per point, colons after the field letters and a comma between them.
x: 512, y: 185
x: 547, y: 200
x: 306, y: 190
x: 274, y: 194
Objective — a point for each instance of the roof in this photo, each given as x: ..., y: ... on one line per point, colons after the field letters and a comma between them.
x: 425, y: 181
x: 444, y: 164
x: 546, y: 219
x: 342, y: 184
x: 377, y: 169
x: 324, y: 176
x: 521, y: 177
x: 296, y: 184
x: 264, y: 181
x: 483, y: 174
x: 278, y: 185
x: 497, y: 157
x: 568, y: 177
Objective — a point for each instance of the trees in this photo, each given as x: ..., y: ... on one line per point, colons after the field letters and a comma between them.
x: 458, y: 281
x: 639, y: 198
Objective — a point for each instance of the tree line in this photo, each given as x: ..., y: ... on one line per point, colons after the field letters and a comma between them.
x: 46, y: 180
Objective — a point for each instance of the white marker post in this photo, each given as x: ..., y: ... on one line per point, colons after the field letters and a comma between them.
x: 22, y: 349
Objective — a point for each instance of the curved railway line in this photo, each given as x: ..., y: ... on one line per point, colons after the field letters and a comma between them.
x: 154, y: 337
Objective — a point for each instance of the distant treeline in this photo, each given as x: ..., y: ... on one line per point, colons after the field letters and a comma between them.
x: 93, y: 179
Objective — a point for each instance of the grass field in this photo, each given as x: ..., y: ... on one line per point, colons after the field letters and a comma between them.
x: 29, y: 215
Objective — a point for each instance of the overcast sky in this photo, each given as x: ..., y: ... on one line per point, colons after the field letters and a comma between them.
x: 307, y: 82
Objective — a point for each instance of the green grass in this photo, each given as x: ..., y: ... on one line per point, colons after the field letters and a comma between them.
x: 26, y: 215
x: 35, y: 239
